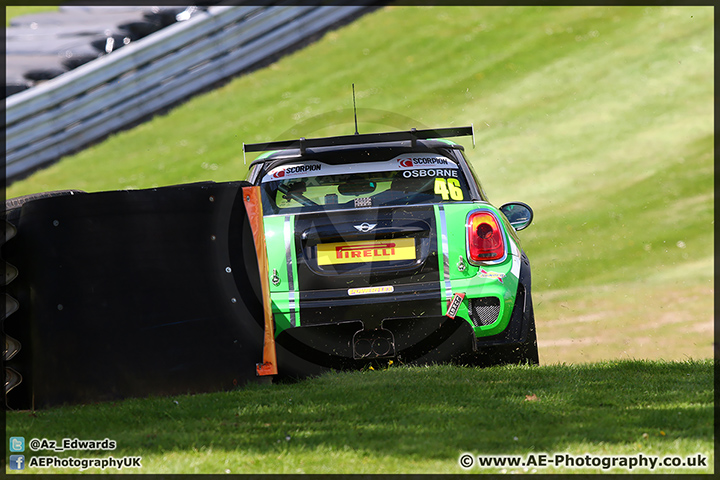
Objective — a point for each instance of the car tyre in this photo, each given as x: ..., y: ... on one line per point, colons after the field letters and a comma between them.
x: 525, y: 353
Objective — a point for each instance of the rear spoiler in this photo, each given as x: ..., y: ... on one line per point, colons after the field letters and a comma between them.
x: 412, y: 135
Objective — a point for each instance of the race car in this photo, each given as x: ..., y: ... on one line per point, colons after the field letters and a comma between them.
x: 337, y: 253
x: 385, y: 247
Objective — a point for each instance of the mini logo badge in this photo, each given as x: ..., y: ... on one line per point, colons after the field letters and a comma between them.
x: 365, y: 227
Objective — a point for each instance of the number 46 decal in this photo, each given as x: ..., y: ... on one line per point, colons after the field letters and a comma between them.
x: 448, y: 188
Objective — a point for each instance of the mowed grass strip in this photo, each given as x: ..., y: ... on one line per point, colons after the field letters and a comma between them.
x: 16, y: 11
x: 404, y: 420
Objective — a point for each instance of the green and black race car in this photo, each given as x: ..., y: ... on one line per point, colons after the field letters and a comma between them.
x: 337, y: 253
x: 385, y: 246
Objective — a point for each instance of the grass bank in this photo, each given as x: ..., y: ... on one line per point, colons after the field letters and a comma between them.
x: 16, y: 11
x: 405, y: 420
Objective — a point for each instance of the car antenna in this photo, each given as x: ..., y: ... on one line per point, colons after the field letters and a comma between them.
x: 355, y: 110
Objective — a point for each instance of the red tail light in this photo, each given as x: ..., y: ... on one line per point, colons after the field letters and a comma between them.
x: 484, y: 237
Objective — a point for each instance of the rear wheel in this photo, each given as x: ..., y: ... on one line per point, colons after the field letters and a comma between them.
x: 527, y: 352
x: 515, y: 353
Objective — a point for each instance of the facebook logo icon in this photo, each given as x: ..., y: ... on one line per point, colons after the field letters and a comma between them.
x: 17, y: 462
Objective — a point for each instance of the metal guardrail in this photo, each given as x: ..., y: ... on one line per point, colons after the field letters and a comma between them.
x: 79, y: 107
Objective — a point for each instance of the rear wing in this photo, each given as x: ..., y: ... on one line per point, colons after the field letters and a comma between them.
x: 412, y: 135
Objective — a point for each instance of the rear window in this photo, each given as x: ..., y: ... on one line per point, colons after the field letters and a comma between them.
x: 403, y: 180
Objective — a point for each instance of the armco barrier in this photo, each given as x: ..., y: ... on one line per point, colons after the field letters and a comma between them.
x: 79, y: 107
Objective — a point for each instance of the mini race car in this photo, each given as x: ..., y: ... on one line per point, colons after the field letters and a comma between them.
x: 336, y: 253
x: 385, y: 246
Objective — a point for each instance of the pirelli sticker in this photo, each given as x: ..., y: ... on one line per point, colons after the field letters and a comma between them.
x: 367, y: 251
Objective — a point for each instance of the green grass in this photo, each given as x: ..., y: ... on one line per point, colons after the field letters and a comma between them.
x: 601, y: 118
x: 16, y: 11
x: 404, y: 420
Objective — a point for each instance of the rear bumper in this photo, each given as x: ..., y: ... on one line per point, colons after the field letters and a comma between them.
x: 416, y: 340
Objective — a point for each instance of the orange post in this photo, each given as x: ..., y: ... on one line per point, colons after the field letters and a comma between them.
x: 253, y: 206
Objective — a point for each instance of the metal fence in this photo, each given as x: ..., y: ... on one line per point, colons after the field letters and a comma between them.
x: 84, y: 105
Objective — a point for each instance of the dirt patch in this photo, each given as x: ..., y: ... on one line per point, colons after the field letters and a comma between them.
x: 639, y: 321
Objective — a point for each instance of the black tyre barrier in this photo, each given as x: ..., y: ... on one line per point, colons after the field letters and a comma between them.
x: 130, y: 294
x: 165, y: 16
x: 110, y: 43
x: 139, y: 29
x: 40, y: 74
x: 77, y: 60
